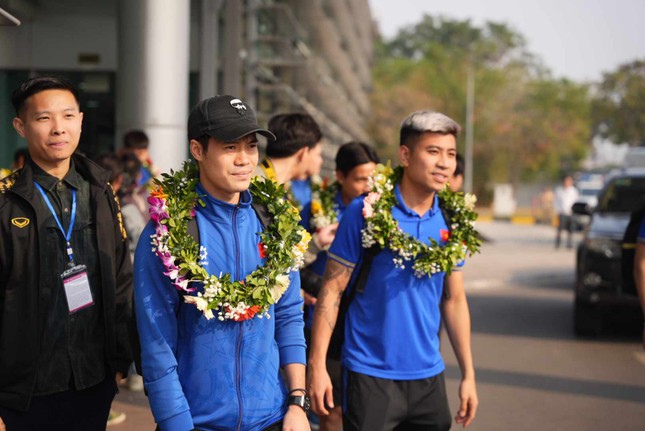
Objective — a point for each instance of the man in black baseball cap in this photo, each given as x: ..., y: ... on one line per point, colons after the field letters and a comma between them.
x: 192, y: 390
x: 225, y: 118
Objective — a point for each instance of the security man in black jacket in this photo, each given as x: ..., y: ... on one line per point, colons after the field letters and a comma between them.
x: 65, y: 274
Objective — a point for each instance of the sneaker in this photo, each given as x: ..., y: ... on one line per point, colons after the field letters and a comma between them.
x: 135, y: 383
x: 115, y: 418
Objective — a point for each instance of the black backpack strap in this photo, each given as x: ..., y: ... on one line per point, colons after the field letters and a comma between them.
x: 262, y: 213
x: 338, y: 335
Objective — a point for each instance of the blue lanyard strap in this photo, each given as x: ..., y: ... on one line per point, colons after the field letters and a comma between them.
x: 68, y: 235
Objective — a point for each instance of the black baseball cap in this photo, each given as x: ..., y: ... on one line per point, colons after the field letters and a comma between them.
x: 225, y: 118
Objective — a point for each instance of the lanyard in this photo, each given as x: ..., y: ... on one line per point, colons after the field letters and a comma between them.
x: 267, y: 166
x: 68, y: 235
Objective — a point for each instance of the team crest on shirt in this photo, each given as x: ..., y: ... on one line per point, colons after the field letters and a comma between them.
x: 20, y: 222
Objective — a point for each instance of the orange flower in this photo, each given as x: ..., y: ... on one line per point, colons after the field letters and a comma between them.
x: 158, y: 193
x: 445, y: 235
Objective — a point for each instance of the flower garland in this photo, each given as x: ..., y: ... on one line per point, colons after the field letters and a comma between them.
x: 382, y: 229
x: 284, y: 242
x: 323, y: 207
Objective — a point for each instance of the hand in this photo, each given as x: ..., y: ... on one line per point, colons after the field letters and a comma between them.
x: 295, y: 420
x: 309, y: 299
x: 325, y: 235
x: 2, y: 427
x: 320, y: 390
x: 468, y: 402
x: 118, y: 377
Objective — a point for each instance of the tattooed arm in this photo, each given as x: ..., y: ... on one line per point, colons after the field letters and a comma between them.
x: 319, y: 384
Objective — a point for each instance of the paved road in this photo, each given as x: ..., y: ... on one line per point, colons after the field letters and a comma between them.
x: 533, y: 373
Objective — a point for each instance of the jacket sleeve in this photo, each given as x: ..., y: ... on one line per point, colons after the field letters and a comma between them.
x: 289, y: 324
x: 156, y: 303
x: 123, y: 295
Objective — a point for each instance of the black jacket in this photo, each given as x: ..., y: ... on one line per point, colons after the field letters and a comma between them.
x: 23, y: 303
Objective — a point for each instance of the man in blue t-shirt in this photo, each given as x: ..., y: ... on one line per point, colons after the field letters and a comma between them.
x: 393, y: 367
x: 639, y: 269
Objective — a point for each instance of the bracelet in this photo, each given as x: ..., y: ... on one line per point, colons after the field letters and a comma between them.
x: 297, y: 390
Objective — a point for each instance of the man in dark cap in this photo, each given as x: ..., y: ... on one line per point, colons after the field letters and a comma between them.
x: 223, y: 373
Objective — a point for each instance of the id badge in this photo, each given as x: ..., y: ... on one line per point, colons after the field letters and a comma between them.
x: 77, y: 288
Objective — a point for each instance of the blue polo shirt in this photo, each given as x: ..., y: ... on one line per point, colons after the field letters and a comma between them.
x: 301, y: 190
x: 391, y: 329
x: 641, y: 231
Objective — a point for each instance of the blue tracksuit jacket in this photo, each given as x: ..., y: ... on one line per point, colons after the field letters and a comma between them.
x: 205, y: 373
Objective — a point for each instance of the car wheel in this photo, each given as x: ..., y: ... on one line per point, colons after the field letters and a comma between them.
x: 587, y: 322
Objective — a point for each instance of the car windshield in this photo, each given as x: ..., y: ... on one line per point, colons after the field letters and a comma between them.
x: 625, y: 194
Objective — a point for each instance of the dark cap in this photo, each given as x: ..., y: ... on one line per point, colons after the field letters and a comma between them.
x: 225, y: 118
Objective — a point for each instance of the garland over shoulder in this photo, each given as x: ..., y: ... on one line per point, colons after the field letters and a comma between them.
x: 283, y: 244
x: 323, y: 208
x: 381, y: 228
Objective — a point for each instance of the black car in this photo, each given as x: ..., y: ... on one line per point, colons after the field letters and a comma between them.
x: 600, y: 293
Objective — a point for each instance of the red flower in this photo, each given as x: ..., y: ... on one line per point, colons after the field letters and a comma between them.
x: 248, y: 314
x: 445, y: 235
x: 262, y: 250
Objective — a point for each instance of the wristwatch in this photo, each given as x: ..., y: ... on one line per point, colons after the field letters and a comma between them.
x: 301, y: 401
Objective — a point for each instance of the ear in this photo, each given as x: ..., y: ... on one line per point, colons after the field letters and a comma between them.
x: 19, y: 126
x: 196, y: 150
x: 340, y: 177
x: 404, y: 155
x: 301, y: 154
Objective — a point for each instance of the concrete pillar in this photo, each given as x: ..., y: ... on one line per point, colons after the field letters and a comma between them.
x: 209, y: 48
x: 233, y: 48
x: 152, y: 79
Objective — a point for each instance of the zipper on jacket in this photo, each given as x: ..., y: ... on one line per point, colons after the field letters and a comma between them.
x: 238, y: 348
x: 238, y: 376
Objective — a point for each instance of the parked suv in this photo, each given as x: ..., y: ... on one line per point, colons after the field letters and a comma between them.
x: 599, y: 288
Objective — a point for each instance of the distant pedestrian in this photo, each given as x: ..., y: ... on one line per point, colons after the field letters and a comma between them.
x: 564, y: 198
x: 138, y: 143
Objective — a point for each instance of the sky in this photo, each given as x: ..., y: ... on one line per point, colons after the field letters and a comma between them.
x: 575, y: 39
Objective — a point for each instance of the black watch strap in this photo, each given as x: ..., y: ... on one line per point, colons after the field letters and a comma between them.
x: 301, y: 401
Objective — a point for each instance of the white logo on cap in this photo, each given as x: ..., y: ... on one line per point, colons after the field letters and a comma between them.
x: 237, y: 104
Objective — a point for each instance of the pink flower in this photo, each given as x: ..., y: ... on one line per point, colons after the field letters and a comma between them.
x: 372, y: 197
x: 182, y: 284
x: 368, y: 211
x: 161, y: 229
x: 158, y: 210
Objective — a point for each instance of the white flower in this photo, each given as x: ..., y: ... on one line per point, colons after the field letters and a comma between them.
x: 282, y: 282
x: 201, y: 304
x: 469, y: 201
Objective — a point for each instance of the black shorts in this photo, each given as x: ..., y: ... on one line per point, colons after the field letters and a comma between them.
x: 395, y: 405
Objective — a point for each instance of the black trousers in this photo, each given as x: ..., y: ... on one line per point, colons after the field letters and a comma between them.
x: 85, y: 410
x: 374, y: 404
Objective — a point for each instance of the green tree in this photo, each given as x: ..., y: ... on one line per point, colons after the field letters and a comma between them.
x: 525, y: 122
x: 619, y: 107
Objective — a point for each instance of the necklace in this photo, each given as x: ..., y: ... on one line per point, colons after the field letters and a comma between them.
x: 382, y: 229
x: 283, y: 244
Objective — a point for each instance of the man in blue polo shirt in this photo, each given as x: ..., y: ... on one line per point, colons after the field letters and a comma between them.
x: 393, y: 367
